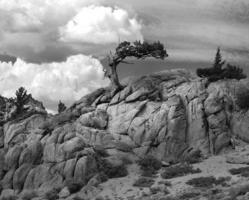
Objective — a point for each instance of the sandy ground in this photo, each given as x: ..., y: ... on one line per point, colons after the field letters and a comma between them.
x: 122, y: 188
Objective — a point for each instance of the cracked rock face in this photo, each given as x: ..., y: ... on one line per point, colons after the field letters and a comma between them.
x: 169, y: 115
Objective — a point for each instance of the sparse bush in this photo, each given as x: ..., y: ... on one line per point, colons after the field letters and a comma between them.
x: 217, y: 72
x: 78, y: 198
x: 242, y: 98
x: 100, y: 151
x: 52, y: 194
x: 207, y: 181
x: 116, y: 171
x: 189, y: 195
x: 149, y: 165
x: 243, y: 171
x: 74, y: 186
x: 229, y: 72
x: 238, y: 190
x: 144, y: 182
x: 112, y: 171
x: 28, y: 195
x: 103, y: 177
x: 179, y: 170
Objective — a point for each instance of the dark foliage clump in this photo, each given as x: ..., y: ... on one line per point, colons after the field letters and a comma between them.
x: 74, y: 186
x: 100, y: 151
x: 242, y: 98
x: 149, y: 165
x: 243, y: 171
x: 112, y: 171
x: 20, y: 100
x: 61, y: 107
x: 209, y: 181
x: 218, y: 72
x: 52, y: 194
x: 179, y: 170
x: 189, y: 195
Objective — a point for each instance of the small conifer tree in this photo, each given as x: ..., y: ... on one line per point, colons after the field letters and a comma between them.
x: 61, y: 107
x: 21, y: 98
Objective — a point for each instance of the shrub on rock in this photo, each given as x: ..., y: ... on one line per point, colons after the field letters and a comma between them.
x: 209, y: 181
x: 74, y: 186
x: 243, y: 171
x: 179, y: 170
x: 144, y: 182
x: 218, y: 72
x: 52, y: 194
x: 149, y: 164
x: 110, y: 170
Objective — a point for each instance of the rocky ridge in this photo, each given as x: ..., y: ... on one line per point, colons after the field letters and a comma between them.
x: 170, y: 115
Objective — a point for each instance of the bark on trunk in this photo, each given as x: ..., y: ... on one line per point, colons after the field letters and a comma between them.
x: 114, y: 77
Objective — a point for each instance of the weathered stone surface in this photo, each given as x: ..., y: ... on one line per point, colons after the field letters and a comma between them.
x: 7, y: 194
x: 12, y: 156
x: 64, y: 193
x: 20, y: 175
x: 7, y: 181
x: 238, y: 159
x: 85, y: 169
x: 97, y: 119
x: 240, y: 125
x: 122, y: 115
x: 11, y: 130
x: 169, y: 115
x: 54, y: 152
x: 32, y: 154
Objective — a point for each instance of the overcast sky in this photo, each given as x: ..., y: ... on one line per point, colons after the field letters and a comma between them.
x: 59, y: 43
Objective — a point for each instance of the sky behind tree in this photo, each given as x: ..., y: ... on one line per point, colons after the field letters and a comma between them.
x: 47, y: 36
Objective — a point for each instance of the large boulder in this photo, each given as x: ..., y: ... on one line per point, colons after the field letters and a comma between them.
x: 16, y: 131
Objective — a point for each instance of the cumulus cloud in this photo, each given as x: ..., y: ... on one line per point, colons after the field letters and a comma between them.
x: 50, y: 82
x: 73, y: 24
x: 101, y: 25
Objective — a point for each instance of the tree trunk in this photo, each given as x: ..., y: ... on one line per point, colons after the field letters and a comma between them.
x: 114, y: 77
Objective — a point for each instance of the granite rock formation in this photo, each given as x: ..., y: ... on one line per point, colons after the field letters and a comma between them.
x: 170, y: 115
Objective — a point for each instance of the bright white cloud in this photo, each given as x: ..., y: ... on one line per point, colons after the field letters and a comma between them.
x: 67, y: 81
x: 101, y: 25
x: 70, y: 26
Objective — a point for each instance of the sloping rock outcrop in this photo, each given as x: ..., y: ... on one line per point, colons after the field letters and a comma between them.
x: 170, y: 115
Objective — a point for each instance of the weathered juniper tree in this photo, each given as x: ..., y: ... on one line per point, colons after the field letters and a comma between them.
x: 61, y: 107
x: 138, y: 50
